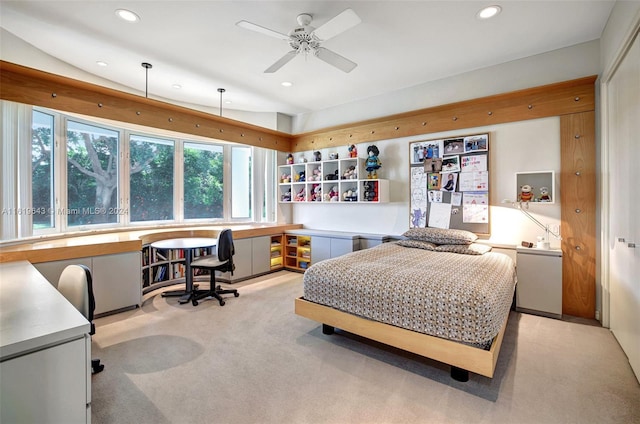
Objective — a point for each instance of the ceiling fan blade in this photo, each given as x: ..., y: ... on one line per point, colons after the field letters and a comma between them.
x: 335, y: 59
x: 281, y: 62
x: 338, y: 24
x: 262, y: 30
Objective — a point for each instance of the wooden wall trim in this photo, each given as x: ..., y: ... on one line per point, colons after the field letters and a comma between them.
x: 578, y: 213
x: 33, y: 87
x: 539, y: 102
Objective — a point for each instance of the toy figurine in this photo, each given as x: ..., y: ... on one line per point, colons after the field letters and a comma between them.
x: 353, y: 151
x: 373, y: 163
x: 289, y: 159
x: 526, y: 193
x: 544, y: 194
x: 317, y: 156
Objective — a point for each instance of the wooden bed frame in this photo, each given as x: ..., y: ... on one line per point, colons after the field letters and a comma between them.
x: 462, y: 358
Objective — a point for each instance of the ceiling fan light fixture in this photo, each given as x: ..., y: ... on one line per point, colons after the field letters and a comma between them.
x: 127, y: 15
x: 489, y: 12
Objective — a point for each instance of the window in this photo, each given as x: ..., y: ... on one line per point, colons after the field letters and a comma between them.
x: 151, y: 178
x: 69, y: 173
x: 203, y: 181
x: 241, y: 182
x: 42, y: 181
x: 92, y: 175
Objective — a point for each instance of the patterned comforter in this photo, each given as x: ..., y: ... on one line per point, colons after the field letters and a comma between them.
x: 455, y: 296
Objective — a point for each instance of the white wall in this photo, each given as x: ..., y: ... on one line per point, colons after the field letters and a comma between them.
x: 522, y: 146
x: 559, y: 65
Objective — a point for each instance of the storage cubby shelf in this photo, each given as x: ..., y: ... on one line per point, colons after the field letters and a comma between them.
x: 334, y: 181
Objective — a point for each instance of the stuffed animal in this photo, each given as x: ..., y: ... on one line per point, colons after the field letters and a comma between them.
x: 316, y: 195
x: 350, y: 195
x: 300, y: 195
x: 317, y: 156
x: 370, y: 191
x: 285, y: 178
x: 526, y: 193
x: 289, y: 159
x: 353, y: 151
x: 333, y: 155
x: 333, y: 194
x: 316, y: 174
x: 544, y: 194
x: 350, y: 173
x: 333, y: 176
x: 300, y: 176
x: 286, y: 197
x: 373, y: 163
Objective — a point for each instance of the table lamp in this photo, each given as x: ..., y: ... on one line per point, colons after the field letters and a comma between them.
x: 524, y: 208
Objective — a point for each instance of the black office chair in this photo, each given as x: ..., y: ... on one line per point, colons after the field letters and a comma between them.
x: 223, y: 262
x: 75, y: 284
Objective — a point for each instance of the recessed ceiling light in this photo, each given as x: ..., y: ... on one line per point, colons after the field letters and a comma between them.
x: 102, y: 63
x: 127, y: 15
x: 286, y: 84
x: 177, y: 86
x: 489, y: 12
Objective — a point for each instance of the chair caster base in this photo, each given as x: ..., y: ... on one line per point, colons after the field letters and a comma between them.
x: 96, y: 366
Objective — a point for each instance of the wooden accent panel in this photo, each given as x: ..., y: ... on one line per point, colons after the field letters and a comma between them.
x: 472, y: 359
x: 578, y: 210
x: 33, y: 87
x: 533, y: 103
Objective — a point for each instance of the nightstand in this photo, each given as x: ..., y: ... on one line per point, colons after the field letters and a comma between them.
x: 539, y: 288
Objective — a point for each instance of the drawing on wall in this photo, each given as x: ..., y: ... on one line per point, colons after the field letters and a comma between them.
x: 418, y: 197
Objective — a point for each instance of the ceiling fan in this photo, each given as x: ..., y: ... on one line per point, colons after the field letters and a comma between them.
x: 306, y: 39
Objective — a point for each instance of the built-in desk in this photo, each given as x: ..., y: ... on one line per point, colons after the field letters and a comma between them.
x: 43, y: 338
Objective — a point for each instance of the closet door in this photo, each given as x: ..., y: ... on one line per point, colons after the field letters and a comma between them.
x: 624, y: 161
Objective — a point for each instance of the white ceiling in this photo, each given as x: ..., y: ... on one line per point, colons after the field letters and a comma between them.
x: 196, y: 44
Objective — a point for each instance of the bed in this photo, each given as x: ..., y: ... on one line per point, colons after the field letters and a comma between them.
x: 436, y: 293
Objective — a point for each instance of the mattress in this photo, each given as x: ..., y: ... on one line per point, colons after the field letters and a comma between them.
x: 459, y: 297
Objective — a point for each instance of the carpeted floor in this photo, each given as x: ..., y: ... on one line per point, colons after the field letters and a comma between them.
x: 255, y: 361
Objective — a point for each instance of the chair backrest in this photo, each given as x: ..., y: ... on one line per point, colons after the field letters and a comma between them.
x: 226, y: 249
x: 76, y: 285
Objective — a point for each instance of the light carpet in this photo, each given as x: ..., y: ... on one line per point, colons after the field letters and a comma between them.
x: 255, y: 361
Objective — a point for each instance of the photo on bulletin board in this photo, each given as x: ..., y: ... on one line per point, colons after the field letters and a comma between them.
x: 449, y: 183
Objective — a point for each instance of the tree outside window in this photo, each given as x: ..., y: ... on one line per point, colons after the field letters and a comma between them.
x: 92, y: 175
x: 151, y: 178
x: 42, y: 181
x: 203, y: 181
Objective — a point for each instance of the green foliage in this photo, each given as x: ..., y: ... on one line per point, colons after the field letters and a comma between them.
x: 203, y: 175
x: 152, y: 187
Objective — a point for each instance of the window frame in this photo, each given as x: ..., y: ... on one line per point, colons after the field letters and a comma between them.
x: 23, y: 184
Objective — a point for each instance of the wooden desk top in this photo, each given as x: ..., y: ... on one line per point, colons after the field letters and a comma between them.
x: 72, y: 247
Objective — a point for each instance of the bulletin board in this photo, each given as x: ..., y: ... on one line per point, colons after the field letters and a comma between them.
x: 449, y: 183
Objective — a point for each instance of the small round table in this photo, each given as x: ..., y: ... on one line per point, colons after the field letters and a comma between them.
x: 187, y: 244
